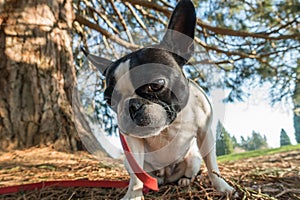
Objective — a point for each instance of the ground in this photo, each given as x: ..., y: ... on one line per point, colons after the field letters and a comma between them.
x: 275, y: 176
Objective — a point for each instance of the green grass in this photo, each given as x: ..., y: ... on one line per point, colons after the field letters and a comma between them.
x: 261, y: 152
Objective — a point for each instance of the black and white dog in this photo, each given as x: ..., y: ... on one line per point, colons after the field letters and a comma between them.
x: 165, y: 117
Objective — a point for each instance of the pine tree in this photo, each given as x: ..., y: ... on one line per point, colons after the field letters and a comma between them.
x: 284, y: 138
x: 234, y: 141
x: 223, y: 144
x: 296, y: 101
x: 297, y: 126
x: 256, y: 141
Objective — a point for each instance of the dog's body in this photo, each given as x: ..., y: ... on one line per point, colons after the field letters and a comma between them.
x: 165, y: 118
x: 174, y: 150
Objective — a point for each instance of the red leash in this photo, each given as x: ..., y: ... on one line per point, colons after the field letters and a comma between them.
x: 70, y: 183
x: 149, y: 182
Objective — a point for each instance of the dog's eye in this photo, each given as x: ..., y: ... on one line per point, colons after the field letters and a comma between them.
x: 156, y: 85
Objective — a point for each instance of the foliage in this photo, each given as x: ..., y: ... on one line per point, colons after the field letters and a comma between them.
x: 296, y: 101
x: 223, y: 142
x: 259, y: 43
x: 234, y: 142
x: 284, y: 138
x: 297, y: 127
x: 256, y: 141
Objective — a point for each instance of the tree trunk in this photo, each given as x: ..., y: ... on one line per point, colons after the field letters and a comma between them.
x: 36, y: 74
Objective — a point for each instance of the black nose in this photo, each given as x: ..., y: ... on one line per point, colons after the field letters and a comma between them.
x: 137, y: 112
x: 134, y: 106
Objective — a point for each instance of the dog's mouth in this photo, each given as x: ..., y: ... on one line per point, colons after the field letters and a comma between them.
x: 142, y: 115
x: 142, y: 133
x: 146, y: 120
x: 139, y: 115
x: 142, y: 118
x: 141, y: 127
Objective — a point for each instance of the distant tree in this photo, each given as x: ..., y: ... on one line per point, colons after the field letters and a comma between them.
x: 244, y: 143
x: 297, y: 127
x: 243, y: 140
x: 284, y: 138
x: 234, y: 142
x: 256, y: 141
x: 296, y: 101
x: 224, y: 144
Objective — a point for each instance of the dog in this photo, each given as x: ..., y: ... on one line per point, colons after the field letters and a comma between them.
x: 164, y: 117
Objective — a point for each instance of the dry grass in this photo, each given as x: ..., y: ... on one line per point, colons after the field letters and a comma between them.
x: 266, y: 177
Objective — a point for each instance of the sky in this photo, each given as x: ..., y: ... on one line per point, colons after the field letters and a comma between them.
x: 241, y: 118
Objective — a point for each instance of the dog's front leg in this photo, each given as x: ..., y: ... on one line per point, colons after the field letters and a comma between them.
x: 135, y: 188
x: 206, y: 144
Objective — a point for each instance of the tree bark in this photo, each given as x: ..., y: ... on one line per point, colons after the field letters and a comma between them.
x: 37, y: 74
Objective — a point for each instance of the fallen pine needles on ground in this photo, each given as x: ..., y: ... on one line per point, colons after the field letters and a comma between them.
x: 265, y: 177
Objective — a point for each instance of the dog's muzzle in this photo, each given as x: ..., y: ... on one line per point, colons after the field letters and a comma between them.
x: 138, y: 113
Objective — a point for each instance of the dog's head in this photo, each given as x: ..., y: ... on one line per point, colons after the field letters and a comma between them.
x: 147, y: 88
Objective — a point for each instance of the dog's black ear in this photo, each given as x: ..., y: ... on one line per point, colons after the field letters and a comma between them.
x: 179, y: 37
x: 99, y: 62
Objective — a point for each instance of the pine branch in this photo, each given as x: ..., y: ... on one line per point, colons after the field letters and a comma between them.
x: 151, y: 5
x: 150, y: 16
x: 122, y: 21
x: 230, y: 32
x: 139, y: 20
x: 167, y: 4
x: 226, y: 52
x: 284, y: 26
x: 96, y: 27
x: 105, y: 19
x: 217, y: 30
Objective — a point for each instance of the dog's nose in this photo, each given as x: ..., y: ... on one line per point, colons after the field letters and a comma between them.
x: 134, y: 106
x: 137, y: 112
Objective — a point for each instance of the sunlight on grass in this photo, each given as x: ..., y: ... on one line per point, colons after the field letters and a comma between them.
x: 261, y: 152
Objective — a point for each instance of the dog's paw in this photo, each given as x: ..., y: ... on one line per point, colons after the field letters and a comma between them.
x: 184, y: 181
x: 134, y: 195
x: 222, y: 186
